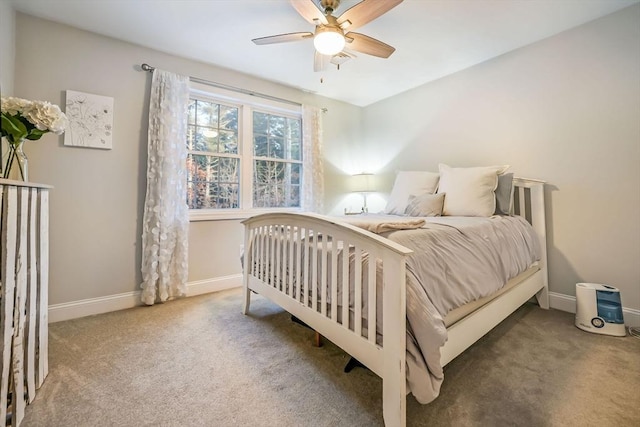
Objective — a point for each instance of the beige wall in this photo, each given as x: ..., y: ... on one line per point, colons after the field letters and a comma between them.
x: 96, y: 206
x: 7, y: 47
x: 565, y: 110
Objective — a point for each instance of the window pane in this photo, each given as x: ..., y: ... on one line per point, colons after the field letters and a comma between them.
x: 191, y: 134
x: 276, y: 148
x: 206, y: 119
x: 228, y: 196
x: 228, y: 117
x: 228, y: 170
x: 273, y: 185
x: 277, y: 126
x: 260, y: 146
x: 192, y: 111
x: 260, y: 122
x: 228, y: 142
x: 295, y: 173
x: 213, y: 182
x: 276, y: 137
x: 197, y: 167
x: 294, y: 153
x: 207, y: 114
x: 295, y: 129
x: 204, y: 139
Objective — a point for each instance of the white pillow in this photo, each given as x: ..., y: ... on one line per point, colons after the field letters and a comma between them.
x: 470, y: 191
x: 410, y: 183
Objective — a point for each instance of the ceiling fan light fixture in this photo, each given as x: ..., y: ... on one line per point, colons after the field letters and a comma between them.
x: 328, y: 41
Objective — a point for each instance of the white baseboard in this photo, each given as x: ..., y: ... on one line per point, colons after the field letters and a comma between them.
x: 206, y: 286
x: 88, y: 307
x: 567, y: 303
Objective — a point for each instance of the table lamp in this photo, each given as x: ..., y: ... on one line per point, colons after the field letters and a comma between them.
x: 363, y: 183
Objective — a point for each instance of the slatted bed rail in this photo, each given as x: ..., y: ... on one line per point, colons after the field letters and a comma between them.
x: 320, y: 271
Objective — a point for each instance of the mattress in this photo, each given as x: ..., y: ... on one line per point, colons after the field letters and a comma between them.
x: 460, y: 313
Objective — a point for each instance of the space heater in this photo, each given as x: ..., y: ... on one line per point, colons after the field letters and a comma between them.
x: 599, y: 310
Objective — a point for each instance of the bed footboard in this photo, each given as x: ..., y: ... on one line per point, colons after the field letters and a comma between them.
x: 320, y: 271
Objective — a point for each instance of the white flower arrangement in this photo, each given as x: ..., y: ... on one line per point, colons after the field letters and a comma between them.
x: 23, y: 119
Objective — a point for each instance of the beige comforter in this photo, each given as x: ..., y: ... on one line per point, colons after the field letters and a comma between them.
x: 456, y: 260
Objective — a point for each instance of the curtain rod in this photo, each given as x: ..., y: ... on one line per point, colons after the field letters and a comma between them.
x: 149, y: 68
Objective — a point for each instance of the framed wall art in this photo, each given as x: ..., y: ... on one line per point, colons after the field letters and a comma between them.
x: 90, y: 120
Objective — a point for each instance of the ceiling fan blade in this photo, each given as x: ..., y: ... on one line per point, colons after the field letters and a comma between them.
x: 282, y: 38
x: 320, y: 61
x: 309, y: 11
x: 369, y: 45
x: 365, y: 12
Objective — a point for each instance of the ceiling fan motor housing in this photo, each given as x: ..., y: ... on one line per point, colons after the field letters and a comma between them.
x: 329, y: 5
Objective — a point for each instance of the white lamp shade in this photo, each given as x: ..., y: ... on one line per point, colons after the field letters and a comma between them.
x: 329, y: 42
x: 362, y: 183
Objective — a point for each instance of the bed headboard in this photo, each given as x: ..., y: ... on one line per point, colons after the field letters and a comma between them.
x: 528, y: 202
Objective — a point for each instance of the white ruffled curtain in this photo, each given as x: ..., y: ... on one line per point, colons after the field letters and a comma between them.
x: 312, y: 192
x: 166, y: 215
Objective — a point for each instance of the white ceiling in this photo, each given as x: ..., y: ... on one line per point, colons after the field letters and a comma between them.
x: 433, y: 38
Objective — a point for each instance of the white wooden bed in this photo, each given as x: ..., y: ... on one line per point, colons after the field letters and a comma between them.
x: 270, y: 260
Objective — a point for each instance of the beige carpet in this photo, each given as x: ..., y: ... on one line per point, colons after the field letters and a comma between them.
x: 199, y: 362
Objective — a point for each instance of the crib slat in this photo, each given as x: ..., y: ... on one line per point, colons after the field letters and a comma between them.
x: 277, y: 236
x: 306, y: 266
x: 272, y: 256
x: 371, y: 293
x: 261, y: 257
x: 274, y: 248
x: 345, y: 284
x: 290, y: 239
x: 264, y: 255
x: 324, y: 268
x: 253, y: 242
x: 250, y: 252
x: 334, y: 281
x: 281, y: 258
x: 257, y: 260
x: 297, y: 290
x: 357, y: 283
x: 314, y: 273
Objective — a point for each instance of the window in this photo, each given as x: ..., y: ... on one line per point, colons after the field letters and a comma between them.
x: 277, y: 164
x: 213, y: 163
x: 241, y: 156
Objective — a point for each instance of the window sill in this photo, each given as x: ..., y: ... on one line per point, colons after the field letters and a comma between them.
x: 232, y: 214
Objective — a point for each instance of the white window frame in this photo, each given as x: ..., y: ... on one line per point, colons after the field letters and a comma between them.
x: 246, y: 104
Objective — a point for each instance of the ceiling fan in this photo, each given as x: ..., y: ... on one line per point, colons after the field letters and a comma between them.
x: 333, y: 37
